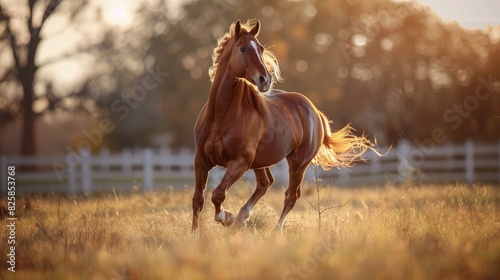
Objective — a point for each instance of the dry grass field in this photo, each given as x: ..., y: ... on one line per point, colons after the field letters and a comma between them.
x: 405, y: 232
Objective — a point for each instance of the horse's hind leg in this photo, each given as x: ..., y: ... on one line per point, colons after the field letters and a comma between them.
x: 292, y: 194
x: 264, y: 179
x: 235, y: 169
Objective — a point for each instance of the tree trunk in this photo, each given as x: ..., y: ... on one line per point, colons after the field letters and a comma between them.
x: 28, y: 147
x: 27, y: 79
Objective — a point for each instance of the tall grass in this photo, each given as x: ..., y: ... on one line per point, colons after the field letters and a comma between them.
x: 426, y: 232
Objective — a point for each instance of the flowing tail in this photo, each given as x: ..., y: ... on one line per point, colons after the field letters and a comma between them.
x: 341, y: 148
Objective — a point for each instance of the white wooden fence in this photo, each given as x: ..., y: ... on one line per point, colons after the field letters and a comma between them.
x: 469, y: 163
x: 148, y: 169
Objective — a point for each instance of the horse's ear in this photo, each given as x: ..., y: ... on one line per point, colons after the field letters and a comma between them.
x: 255, y: 30
x: 237, y: 27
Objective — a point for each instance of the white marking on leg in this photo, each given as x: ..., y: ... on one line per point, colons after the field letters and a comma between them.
x: 280, y: 226
x: 221, y: 216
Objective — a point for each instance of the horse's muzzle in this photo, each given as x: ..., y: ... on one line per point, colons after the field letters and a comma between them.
x: 263, y: 83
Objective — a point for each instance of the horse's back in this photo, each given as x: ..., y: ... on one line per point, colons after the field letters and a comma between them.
x: 292, y: 100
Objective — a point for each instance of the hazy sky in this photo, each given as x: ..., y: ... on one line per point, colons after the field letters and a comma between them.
x: 470, y: 14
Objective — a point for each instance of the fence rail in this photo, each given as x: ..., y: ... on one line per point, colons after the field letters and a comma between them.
x: 148, y: 168
x: 467, y: 163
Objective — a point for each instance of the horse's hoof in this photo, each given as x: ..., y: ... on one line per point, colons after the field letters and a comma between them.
x: 229, y: 219
x: 225, y: 218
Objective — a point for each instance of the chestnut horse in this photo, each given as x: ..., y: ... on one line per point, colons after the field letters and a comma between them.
x: 245, y: 124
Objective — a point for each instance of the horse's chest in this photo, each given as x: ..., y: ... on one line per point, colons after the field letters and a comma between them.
x: 216, y: 151
x: 225, y: 140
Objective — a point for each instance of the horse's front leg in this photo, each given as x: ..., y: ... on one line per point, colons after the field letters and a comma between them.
x: 235, y: 169
x: 201, y: 175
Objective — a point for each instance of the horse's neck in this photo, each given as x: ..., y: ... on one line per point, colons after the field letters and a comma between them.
x: 225, y: 91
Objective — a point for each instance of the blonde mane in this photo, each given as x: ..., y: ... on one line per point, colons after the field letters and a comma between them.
x: 267, y: 56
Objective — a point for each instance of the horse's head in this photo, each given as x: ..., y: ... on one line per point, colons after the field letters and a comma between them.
x: 246, y: 57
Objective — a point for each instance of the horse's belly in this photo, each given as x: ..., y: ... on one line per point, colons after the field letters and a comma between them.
x: 268, y: 156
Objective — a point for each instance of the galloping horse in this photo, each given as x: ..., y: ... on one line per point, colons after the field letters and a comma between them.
x: 245, y: 124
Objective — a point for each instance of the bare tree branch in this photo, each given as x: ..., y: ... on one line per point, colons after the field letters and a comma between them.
x: 7, y: 74
x: 55, y: 101
x: 7, y: 34
x: 13, y: 46
x: 2, y: 13
x: 49, y: 10
x: 31, y: 4
x: 77, y: 8
x: 339, y: 206
x: 65, y: 56
x: 310, y: 203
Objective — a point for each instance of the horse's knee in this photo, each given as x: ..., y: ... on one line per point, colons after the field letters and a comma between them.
x: 218, y: 196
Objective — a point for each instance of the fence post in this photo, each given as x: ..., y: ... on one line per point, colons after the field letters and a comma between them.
x: 72, y: 180
x: 3, y: 184
x: 126, y: 161
x: 165, y: 154
x: 469, y: 162
x: 186, y: 160
x: 405, y: 169
x: 104, y: 159
x: 148, y: 168
x: 86, y: 173
x: 448, y: 154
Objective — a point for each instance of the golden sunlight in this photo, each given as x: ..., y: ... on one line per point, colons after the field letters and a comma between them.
x: 117, y: 13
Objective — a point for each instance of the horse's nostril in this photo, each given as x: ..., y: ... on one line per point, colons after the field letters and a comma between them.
x: 262, y: 80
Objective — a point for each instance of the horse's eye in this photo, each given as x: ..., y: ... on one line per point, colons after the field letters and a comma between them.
x: 242, y: 49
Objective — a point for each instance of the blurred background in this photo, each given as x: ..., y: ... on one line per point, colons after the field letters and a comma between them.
x: 104, y: 77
